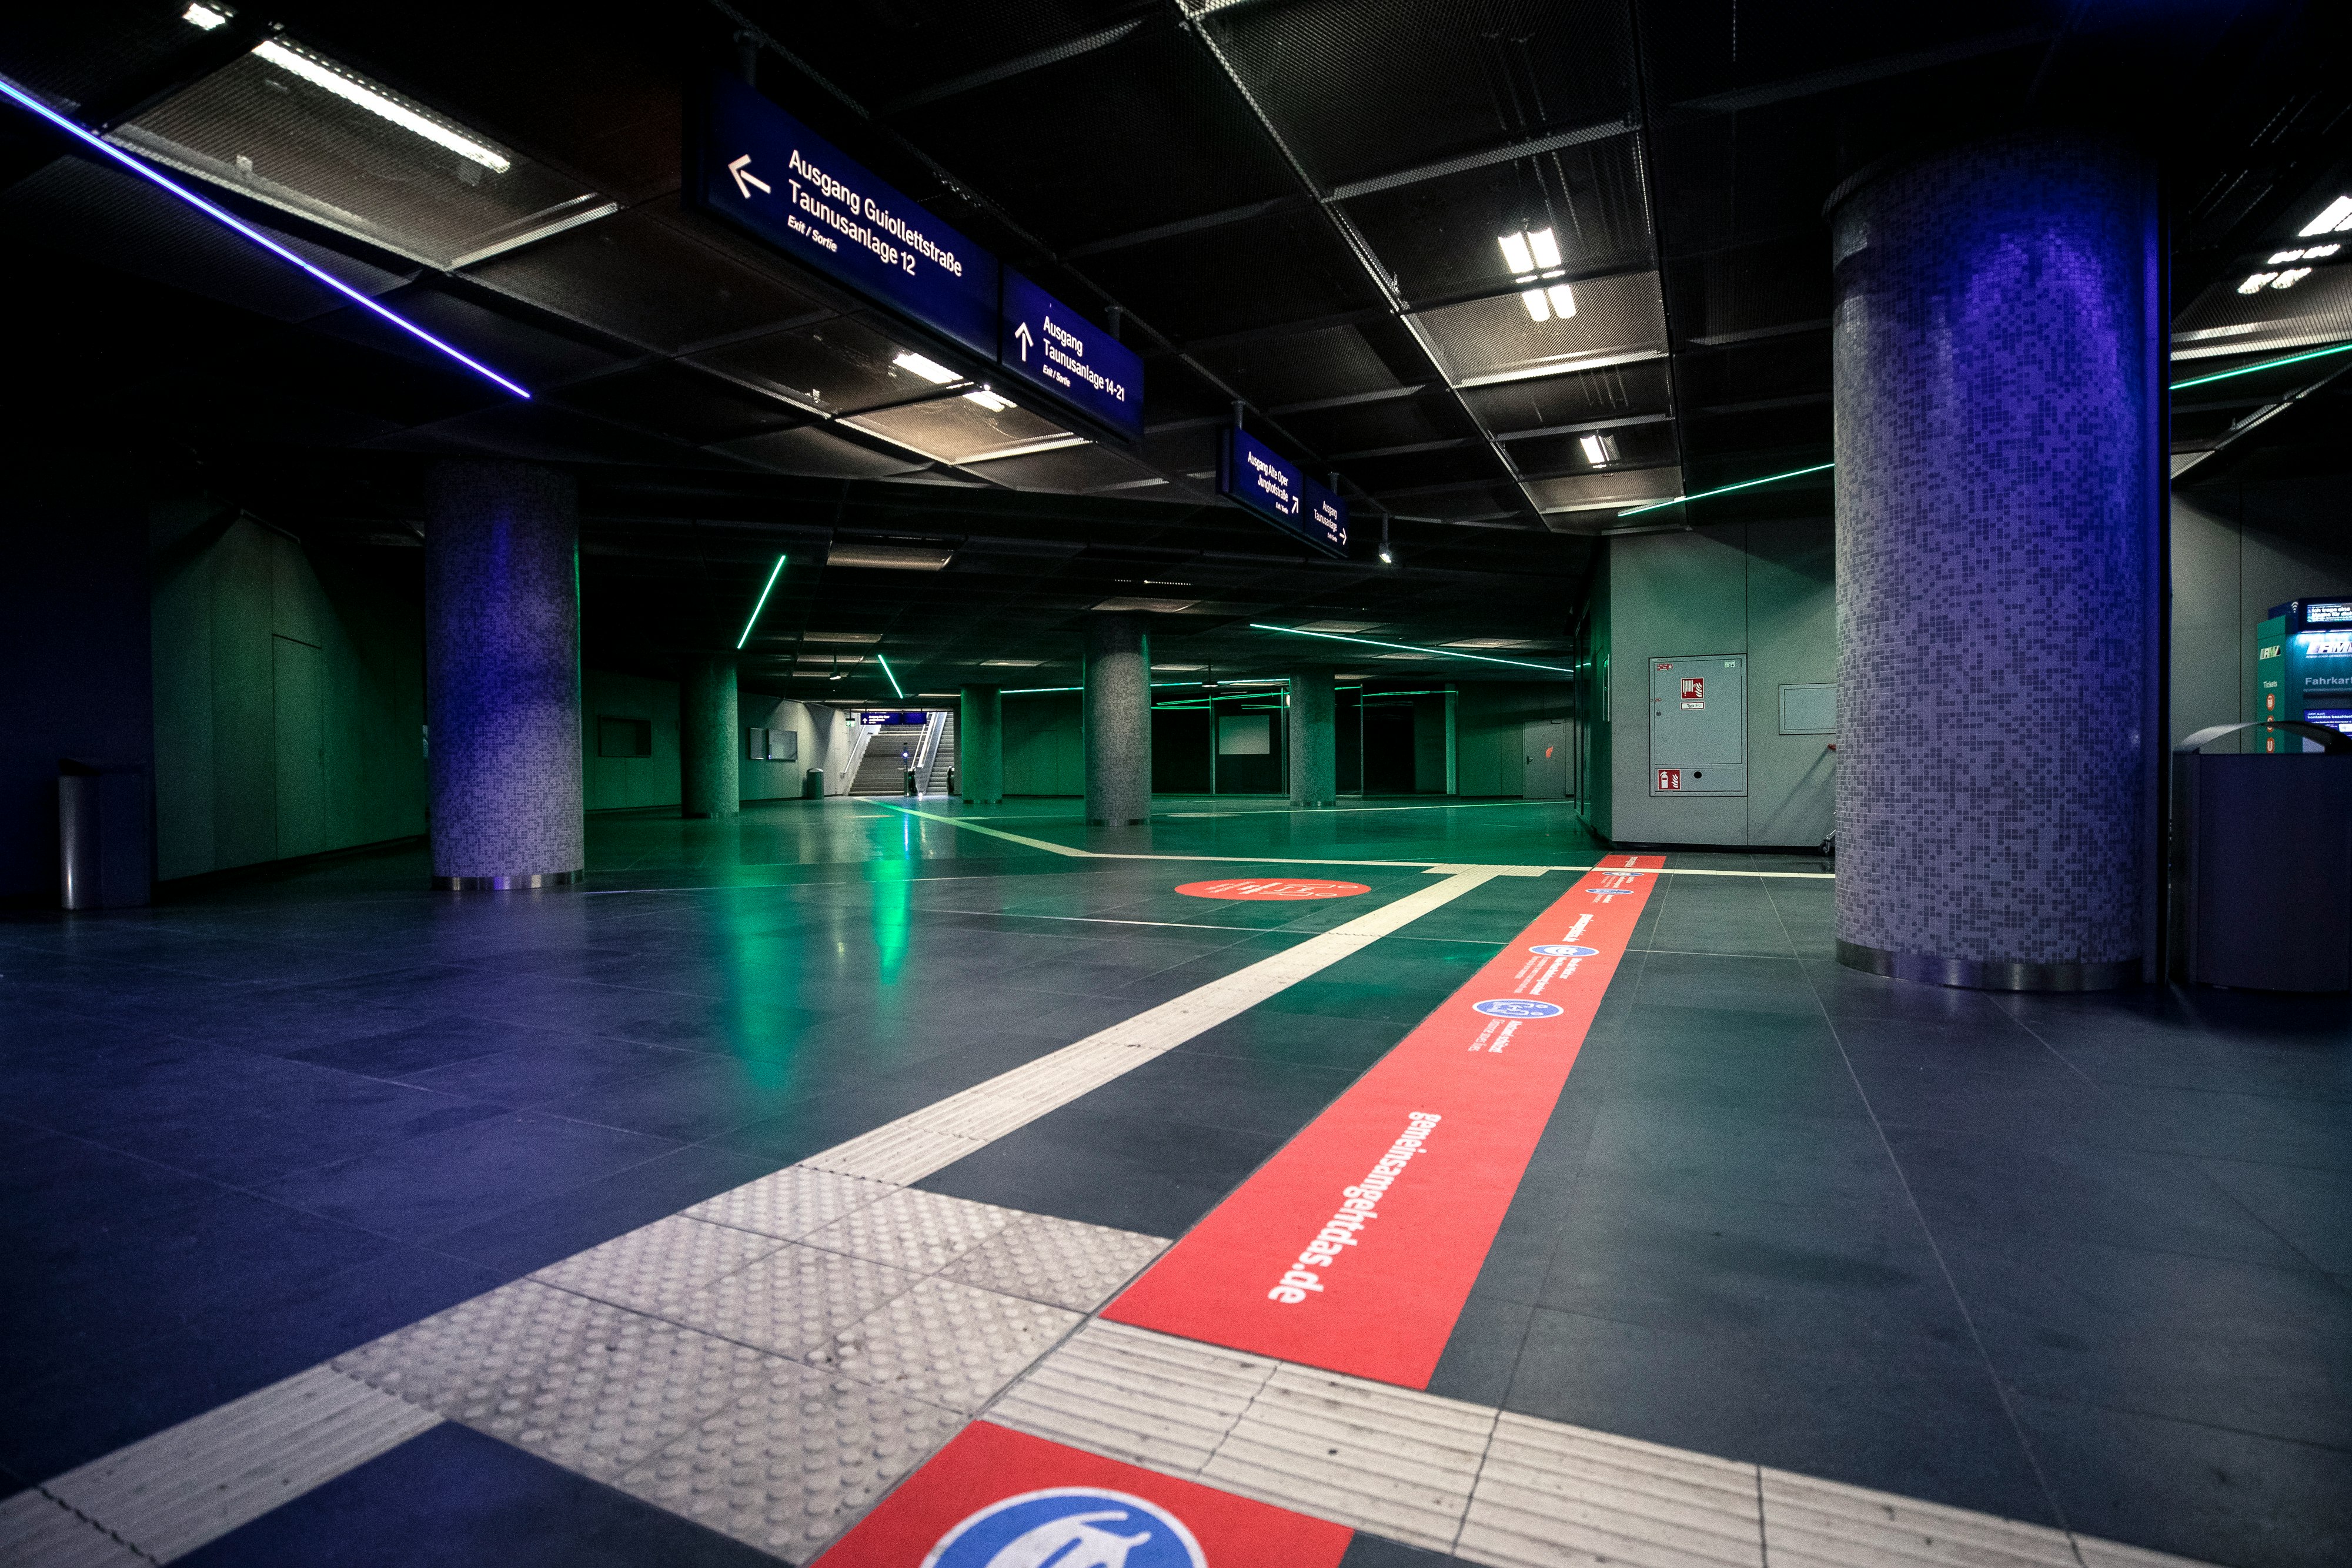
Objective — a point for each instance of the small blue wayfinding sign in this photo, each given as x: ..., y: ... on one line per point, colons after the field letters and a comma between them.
x: 1052, y: 346
x: 1249, y: 471
x: 763, y: 170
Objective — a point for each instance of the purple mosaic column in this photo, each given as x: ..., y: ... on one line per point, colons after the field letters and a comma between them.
x: 502, y: 675
x: 710, y: 773
x: 1117, y: 721
x: 1998, y: 342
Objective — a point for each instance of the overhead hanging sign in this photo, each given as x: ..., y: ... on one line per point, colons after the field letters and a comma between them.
x: 766, y: 172
x: 1053, y: 348
x: 1249, y: 471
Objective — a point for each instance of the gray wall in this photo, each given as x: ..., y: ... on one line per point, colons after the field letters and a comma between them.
x: 288, y: 698
x: 616, y: 783
x: 1763, y: 589
x: 1045, y: 750
x: 2237, y: 549
x: 1490, y: 720
x: 825, y: 736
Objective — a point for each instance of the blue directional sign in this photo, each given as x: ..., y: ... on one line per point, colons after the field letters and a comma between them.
x: 1249, y: 471
x: 765, y: 171
x: 1052, y: 346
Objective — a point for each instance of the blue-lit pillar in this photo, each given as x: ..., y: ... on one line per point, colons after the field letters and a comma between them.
x: 1312, y: 733
x: 980, y: 745
x: 709, y: 762
x: 1117, y: 721
x: 1999, y: 340
x: 502, y: 675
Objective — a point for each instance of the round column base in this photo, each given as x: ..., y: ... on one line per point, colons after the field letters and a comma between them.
x: 1117, y: 821
x: 506, y: 884
x: 1989, y: 974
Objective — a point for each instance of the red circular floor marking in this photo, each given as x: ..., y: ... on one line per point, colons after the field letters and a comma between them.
x: 1260, y: 887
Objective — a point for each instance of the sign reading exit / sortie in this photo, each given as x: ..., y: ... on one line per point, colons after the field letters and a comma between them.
x: 1056, y: 349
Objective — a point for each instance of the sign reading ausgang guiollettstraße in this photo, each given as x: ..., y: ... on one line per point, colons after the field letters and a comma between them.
x: 1248, y: 471
x: 765, y: 171
x: 1052, y: 346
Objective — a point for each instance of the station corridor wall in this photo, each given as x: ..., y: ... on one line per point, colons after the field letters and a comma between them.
x: 2237, y: 549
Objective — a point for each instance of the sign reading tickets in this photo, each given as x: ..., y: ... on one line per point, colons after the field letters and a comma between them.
x: 765, y: 172
x: 1060, y: 352
x: 1249, y: 471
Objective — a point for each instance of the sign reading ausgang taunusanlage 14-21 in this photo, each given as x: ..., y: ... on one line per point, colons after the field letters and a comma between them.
x: 1249, y: 471
x: 1052, y: 346
x: 764, y: 170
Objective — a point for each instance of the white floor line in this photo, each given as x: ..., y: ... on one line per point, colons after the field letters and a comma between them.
x: 1356, y: 810
x: 1074, y: 853
x: 1179, y: 924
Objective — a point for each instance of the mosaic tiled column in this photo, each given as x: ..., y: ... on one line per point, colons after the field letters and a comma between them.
x: 708, y: 758
x: 502, y: 675
x: 980, y: 745
x: 1313, y: 731
x: 1998, y: 341
x: 1117, y: 721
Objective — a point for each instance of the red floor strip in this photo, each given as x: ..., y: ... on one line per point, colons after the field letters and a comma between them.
x: 1000, y: 1499
x: 1354, y: 1247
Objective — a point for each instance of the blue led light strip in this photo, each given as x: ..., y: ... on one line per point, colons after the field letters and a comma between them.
x: 1409, y: 648
x: 2265, y: 365
x: 1728, y: 490
x: 891, y: 673
x: 774, y: 572
x: 141, y: 169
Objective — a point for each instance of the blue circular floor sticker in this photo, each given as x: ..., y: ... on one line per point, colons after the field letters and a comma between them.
x: 1069, y: 1527
x: 1514, y: 1007
x: 1563, y: 950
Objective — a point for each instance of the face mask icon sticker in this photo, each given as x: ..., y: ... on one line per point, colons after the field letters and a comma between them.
x: 1068, y: 1527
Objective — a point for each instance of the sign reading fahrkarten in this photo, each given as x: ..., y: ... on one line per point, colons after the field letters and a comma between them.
x: 765, y: 172
x: 1055, y: 349
x: 1250, y: 471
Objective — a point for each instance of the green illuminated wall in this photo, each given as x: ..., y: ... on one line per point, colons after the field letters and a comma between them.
x: 1490, y: 722
x: 1044, y: 752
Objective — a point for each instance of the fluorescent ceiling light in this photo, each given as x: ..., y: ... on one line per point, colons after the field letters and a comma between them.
x: 930, y: 370
x: 1515, y: 252
x: 1010, y: 663
x: 989, y: 400
x: 841, y: 636
x: 141, y: 168
x: 1563, y: 300
x: 1490, y: 642
x: 350, y: 90
x: 1538, y: 309
x: 1408, y: 658
x: 1727, y: 489
x: 2316, y: 252
x: 2253, y: 284
x: 766, y: 588
x: 1345, y: 627
x: 1546, y: 249
x: 1153, y: 606
x: 2334, y: 218
x: 1599, y: 447
x: 202, y: 17
x: 1160, y: 666
x: 888, y: 558
x: 2291, y: 277
x: 1407, y: 648
x: 939, y: 693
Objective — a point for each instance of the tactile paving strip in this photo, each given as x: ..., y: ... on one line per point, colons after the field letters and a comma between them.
x: 921, y: 1231
x: 588, y: 1385
x: 947, y: 1343
x: 1056, y: 1260
x: 1554, y: 1494
x: 793, y: 1300
x: 1811, y: 1523
x: 39, y: 1531
x: 791, y: 1202
x: 794, y: 1465
x: 657, y: 1266
x: 1136, y: 1396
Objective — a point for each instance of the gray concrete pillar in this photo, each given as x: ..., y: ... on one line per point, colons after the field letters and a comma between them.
x: 1998, y: 352
x: 1117, y: 721
x: 502, y: 675
x: 980, y: 745
x: 1312, y: 727
x: 710, y: 744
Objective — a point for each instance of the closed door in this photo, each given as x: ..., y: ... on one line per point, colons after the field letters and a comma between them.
x: 1546, y: 759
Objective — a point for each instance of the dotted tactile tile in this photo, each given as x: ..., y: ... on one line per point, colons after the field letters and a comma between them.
x: 585, y: 1385
x: 1056, y: 1260
x: 794, y: 1465
x: 791, y: 1202
x: 948, y: 1343
x: 793, y: 1300
x: 922, y: 1231
x: 658, y: 1266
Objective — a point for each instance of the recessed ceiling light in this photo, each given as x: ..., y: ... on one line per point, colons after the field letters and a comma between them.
x: 989, y: 400
x: 888, y: 558
x: 1010, y: 663
x: 930, y: 370
x: 1539, y: 308
x: 1401, y: 656
x: 2253, y: 284
x: 1489, y: 643
x: 2334, y: 218
x: 2291, y: 277
x: 1563, y: 300
x: 1157, y: 665
x: 1599, y: 447
x: 319, y: 73
x: 202, y: 17
x: 1154, y: 606
x: 1515, y: 252
x: 1546, y: 249
x: 841, y: 636
x: 1343, y: 627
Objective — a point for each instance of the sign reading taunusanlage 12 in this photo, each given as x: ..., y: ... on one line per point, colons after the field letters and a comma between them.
x: 1053, y: 348
x: 1249, y: 471
x: 763, y: 170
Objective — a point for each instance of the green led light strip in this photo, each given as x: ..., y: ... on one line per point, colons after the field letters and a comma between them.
x: 891, y: 675
x: 774, y: 572
x: 2265, y: 365
x: 1728, y: 490
x: 1409, y: 648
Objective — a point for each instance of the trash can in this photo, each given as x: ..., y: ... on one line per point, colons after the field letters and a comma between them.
x: 812, y: 784
x: 2262, y: 861
x: 105, y: 855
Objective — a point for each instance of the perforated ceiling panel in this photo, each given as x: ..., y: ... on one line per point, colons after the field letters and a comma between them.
x: 1616, y: 319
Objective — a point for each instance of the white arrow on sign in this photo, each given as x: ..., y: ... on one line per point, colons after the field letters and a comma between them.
x: 1020, y: 336
x: 745, y: 179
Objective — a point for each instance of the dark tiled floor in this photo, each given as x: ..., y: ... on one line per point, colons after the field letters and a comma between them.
x: 2080, y: 1259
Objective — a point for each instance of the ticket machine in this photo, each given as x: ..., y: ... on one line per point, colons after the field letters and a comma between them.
x: 2302, y: 659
